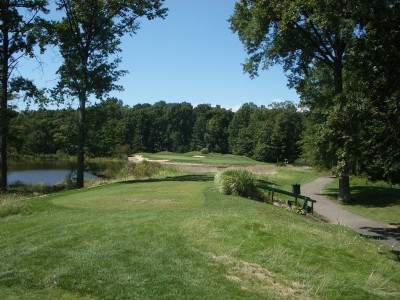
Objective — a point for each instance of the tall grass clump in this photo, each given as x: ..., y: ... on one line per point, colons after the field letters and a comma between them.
x: 237, y: 182
x: 10, y: 206
x: 145, y: 169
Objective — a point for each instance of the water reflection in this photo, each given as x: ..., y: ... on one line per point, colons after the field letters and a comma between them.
x: 52, y: 172
x: 48, y: 177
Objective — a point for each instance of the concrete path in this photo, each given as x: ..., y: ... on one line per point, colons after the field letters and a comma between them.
x: 388, y: 235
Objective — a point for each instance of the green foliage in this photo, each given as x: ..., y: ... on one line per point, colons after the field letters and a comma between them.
x: 216, y: 132
x: 237, y: 182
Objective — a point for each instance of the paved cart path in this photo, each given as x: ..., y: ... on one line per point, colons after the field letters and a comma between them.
x: 388, y: 235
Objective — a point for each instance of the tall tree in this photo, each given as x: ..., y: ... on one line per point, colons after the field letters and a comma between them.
x: 216, y: 134
x: 19, y: 28
x: 89, y: 36
x: 300, y: 35
x: 240, y: 137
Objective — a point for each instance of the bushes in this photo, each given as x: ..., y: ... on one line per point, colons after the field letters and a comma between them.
x: 204, y: 151
x: 237, y: 182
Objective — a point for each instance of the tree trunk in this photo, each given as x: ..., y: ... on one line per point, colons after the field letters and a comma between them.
x: 81, y: 143
x: 344, y: 181
x: 4, y: 133
x: 344, y: 189
x: 4, y: 104
x: 82, y: 125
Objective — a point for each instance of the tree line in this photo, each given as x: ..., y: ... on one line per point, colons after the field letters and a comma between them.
x: 268, y: 134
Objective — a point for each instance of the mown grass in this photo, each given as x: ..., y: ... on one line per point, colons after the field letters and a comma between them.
x: 177, y: 238
x: 208, y: 159
x: 376, y: 201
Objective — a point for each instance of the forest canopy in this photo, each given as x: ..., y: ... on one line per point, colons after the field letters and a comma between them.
x: 268, y: 134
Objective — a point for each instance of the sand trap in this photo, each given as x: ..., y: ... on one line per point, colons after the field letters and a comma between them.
x: 198, y: 156
x: 139, y: 158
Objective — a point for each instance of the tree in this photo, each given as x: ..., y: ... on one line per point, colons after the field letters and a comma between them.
x: 106, y: 128
x: 240, y: 137
x: 19, y: 33
x: 376, y: 82
x: 302, y: 35
x: 216, y: 135
x: 89, y: 36
x: 179, y: 120
x: 199, y: 126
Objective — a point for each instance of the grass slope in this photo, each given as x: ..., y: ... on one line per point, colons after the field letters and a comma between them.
x: 176, y: 238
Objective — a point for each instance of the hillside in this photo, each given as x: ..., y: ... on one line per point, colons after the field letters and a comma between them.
x: 176, y: 238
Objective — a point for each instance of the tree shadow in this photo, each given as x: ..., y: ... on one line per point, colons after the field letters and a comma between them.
x: 370, y: 196
x: 181, y: 178
x: 261, y: 183
x: 380, y: 233
x: 397, y: 255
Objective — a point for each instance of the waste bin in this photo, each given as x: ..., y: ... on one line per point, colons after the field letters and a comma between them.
x: 296, y: 188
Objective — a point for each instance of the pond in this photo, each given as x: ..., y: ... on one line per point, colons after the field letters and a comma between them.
x: 50, y: 172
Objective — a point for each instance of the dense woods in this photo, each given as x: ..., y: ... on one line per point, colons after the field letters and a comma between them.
x: 267, y: 134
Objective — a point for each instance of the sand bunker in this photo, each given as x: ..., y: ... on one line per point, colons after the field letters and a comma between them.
x: 139, y: 158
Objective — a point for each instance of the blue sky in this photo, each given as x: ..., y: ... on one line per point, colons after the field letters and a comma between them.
x: 191, y: 56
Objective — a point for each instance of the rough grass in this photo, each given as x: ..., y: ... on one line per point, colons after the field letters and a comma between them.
x: 177, y: 238
x: 376, y: 201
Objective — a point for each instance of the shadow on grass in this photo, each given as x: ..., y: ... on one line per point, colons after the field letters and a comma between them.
x: 182, y: 178
x: 370, y: 196
x: 397, y: 255
x: 261, y: 183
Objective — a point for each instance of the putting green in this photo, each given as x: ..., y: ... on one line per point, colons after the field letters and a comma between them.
x: 136, y: 195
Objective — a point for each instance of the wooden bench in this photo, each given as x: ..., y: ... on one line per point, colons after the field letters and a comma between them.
x: 306, y: 200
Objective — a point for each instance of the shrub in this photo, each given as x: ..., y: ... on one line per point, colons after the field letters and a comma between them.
x: 204, y: 151
x: 237, y: 182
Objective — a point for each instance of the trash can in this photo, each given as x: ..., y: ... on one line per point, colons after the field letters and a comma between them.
x: 296, y: 188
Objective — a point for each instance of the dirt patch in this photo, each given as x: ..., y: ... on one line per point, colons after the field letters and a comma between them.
x: 150, y: 201
x: 252, y: 276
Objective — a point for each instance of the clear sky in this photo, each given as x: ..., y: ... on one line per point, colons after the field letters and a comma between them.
x: 191, y: 55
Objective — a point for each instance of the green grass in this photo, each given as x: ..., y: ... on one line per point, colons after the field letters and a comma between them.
x: 376, y: 201
x: 208, y: 159
x: 177, y: 238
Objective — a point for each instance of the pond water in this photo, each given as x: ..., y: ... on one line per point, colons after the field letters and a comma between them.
x: 48, y: 177
x: 49, y: 172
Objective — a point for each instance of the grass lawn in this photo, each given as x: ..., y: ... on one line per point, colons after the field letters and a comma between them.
x: 376, y: 201
x: 176, y: 238
x: 197, y: 157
